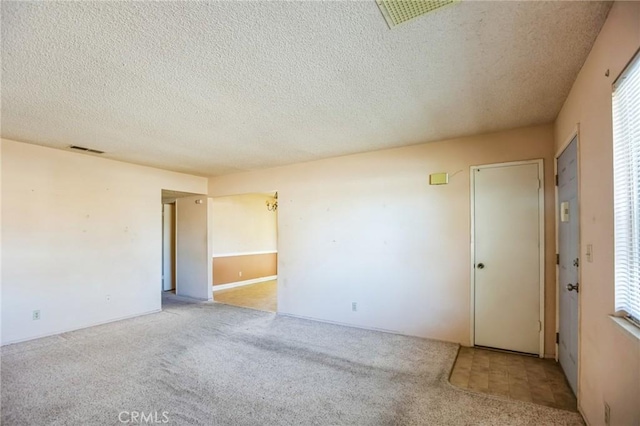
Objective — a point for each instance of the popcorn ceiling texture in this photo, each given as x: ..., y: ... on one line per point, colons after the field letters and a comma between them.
x: 221, y: 87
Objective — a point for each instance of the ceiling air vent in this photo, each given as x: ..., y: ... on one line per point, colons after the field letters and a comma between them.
x: 82, y: 148
x: 398, y: 11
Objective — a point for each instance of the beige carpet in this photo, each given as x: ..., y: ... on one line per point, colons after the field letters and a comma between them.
x: 212, y: 364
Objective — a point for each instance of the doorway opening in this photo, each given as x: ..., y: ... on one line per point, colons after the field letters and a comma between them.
x: 169, y: 284
x: 245, y: 250
x: 568, y: 261
x: 169, y: 246
x: 507, y: 256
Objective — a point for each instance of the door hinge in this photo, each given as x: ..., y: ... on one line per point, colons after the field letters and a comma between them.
x: 557, y: 180
x: 576, y: 262
x: 558, y: 338
x: 557, y: 258
x: 539, y: 325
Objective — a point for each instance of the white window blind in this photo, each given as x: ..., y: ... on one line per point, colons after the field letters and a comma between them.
x: 626, y: 168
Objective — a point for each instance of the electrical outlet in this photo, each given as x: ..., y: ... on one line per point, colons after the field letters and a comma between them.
x: 354, y: 306
x: 36, y: 315
x: 607, y: 414
x: 240, y: 273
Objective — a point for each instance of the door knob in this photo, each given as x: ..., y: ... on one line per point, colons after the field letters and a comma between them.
x: 480, y: 265
x: 572, y: 287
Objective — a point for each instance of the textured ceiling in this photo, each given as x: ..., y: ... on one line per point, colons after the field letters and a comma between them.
x: 215, y: 88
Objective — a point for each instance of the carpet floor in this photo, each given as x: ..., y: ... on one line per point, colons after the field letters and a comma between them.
x: 213, y: 364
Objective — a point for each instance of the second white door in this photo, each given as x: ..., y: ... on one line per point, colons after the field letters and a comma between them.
x: 569, y: 252
x: 507, y: 261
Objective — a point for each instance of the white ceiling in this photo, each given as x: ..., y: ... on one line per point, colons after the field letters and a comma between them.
x: 215, y: 88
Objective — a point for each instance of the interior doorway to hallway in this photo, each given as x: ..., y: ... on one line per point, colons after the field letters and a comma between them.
x: 185, y: 239
x: 169, y: 246
x: 245, y: 250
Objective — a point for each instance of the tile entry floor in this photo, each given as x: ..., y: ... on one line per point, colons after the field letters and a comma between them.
x: 513, y: 376
x: 261, y: 296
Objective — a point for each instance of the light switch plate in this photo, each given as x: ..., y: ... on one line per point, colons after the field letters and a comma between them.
x: 438, y: 178
x: 564, y: 211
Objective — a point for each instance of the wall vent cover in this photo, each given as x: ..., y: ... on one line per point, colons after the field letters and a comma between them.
x: 398, y: 11
x: 82, y: 148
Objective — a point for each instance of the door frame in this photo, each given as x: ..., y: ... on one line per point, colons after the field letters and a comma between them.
x: 174, y: 248
x: 575, y: 134
x: 541, y: 210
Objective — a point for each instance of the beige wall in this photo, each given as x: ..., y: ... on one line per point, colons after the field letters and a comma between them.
x: 245, y: 238
x: 242, y: 224
x: 609, y: 357
x: 82, y: 239
x: 368, y: 228
x: 193, y: 247
x: 231, y: 269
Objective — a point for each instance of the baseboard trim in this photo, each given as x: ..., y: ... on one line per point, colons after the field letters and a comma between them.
x: 581, y: 412
x: 69, y: 330
x: 191, y: 299
x: 362, y: 327
x: 342, y: 324
x: 241, y: 283
x: 246, y: 253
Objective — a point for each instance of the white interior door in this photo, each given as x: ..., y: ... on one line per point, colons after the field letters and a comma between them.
x: 568, y: 249
x: 507, y: 260
x: 168, y: 246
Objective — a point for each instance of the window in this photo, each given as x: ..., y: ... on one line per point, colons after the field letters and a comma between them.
x: 626, y: 183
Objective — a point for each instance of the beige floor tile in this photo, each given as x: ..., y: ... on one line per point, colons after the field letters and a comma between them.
x: 544, y: 402
x: 521, y: 395
x: 498, y: 387
x: 544, y: 395
x: 518, y: 373
x: 464, y: 362
x: 498, y: 391
x: 478, y: 387
x: 463, y: 366
x: 465, y: 351
x: 499, y: 376
x: 262, y: 296
x: 566, y: 402
x: 479, y: 375
x: 519, y: 388
x: 537, y: 380
x: 554, y: 375
x: 499, y: 364
x: 481, y: 362
x: 478, y: 380
x: 460, y: 380
x: 513, y: 376
x: 518, y: 381
x: 480, y: 368
x: 541, y: 387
